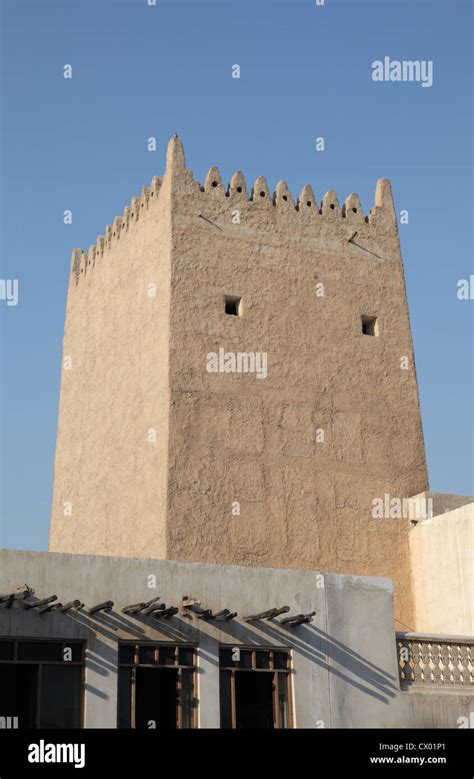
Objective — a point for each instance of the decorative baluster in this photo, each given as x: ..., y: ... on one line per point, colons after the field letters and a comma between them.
x: 437, y: 664
x: 457, y: 664
x: 446, y: 672
x: 425, y: 660
x: 418, y: 676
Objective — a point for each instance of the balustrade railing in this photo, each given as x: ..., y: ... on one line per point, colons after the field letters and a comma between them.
x: 427, y: 661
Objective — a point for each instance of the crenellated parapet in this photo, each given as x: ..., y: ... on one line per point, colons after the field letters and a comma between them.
x: 81, y: 262
x: 381, y: 219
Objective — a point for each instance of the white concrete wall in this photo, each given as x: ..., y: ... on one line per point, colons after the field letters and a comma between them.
x: 345, y: 670
x: 442, y: 563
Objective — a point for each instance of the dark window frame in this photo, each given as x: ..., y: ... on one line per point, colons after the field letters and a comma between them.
x: 235, y: 668
x: 40, y: 663
x: 179, y: 667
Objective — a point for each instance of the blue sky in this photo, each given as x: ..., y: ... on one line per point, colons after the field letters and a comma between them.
x: 141, y: 71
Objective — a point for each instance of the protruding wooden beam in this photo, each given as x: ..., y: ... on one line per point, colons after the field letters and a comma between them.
x: 196, y: 608
x: 40, y: 603
x: 268, y: 615
x: 50, y: 607
x: 298, y: 619
x: 205, y: 614
x: 190, y: 606
x: 72, y: 604
x: 135, y: 608
x: 221, y: 616
x: 167, y: 613
x: 154, y: 608
x: 106, y: 606
x: 20, y: 594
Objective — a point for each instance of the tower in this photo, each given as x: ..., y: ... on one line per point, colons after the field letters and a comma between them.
x: 238, y: 382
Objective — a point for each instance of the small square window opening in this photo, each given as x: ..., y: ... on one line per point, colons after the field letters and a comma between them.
x: 232, y: 306
x: 370, y: 325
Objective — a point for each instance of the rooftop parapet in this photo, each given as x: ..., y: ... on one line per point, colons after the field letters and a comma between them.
x: 381, y: 217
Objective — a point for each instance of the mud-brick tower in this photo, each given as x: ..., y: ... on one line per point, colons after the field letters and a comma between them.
x: 159, y: 457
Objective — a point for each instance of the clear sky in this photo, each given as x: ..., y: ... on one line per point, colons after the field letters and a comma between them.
x: 306, y: 72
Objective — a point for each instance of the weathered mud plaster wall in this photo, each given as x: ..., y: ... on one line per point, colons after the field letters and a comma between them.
x: 344, y: 663
x: 237, y: 439
x: 232, y: 442
x: 112, y: 440
x: 442, y: 555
